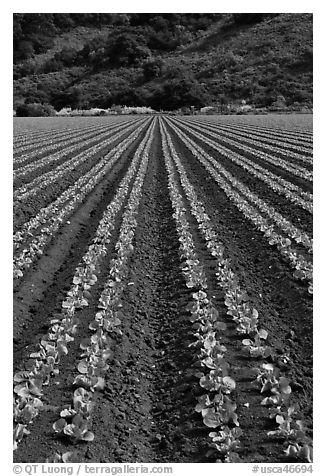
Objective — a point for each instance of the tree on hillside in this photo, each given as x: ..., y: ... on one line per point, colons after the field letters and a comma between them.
x: 181, y: 92
x: 127, y: 49
x: 152, y: 68
x: 35, y: 110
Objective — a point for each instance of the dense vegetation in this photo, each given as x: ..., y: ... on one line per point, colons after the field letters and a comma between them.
x: 165, y: 61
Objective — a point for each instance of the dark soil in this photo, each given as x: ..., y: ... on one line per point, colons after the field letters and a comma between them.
x: 25, y: 209
x: 275, y: 169
x: 295, y: 214
x: 283, y: 302
x: 61, y: 141
x: 264, y: 145
x: 146, y: 412
x: 46, y: 278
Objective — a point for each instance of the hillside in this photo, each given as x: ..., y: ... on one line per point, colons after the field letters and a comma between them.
x: 166, y: 61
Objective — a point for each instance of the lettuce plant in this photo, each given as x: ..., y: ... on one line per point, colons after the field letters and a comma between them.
x: 68, y: 457
x: 28, y: 388
x: 270, y: 382
x: 276, y: 387
x: 25, y: 412
x: 218, y: 411
x: 248, y: 205
x: 215, y: 381
x: 300, y: 452
x: 256, y: 347
x: 225, y: 444
x: 19, y: 431
x: 76, y: 430
x: 294, y: 433
x: 288, y: 428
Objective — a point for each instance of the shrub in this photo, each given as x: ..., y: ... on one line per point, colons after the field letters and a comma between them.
x: 35, y: 110
x: 127, y: 49
x: 152, y: 68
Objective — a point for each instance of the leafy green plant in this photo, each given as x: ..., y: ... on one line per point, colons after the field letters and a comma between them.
x: 76, y: 430
x: 215, y: 381
x: 68, y: 457
x: 287, y: 427
x: 19, y: 431
x: 293, y: 431
x: 256, y: 347
x: 218, y: 411
x: 225, y: 444
x: 300, y: 452
x: 271, y: 382
x: 26, y: 412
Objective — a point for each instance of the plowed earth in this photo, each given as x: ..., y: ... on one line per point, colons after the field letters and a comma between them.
x: 146, y: 412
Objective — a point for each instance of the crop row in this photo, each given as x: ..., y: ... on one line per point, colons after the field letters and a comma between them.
x: 98, y: 275
x: 44, y: 363
x: 284, y: 149
x: 66, y: 141
x: 216, y: 407
x: 44, y: 138
x: 257, y: 154
x: 53, y: 208
x: 303, y: 268
x: 298, y: 444
x: 52, y: 216
x: 41, y: 147
x: 285, y: 134
x: 45, y: 179
x: 296, y: 234
x: 51, y: 159
x: 75, y: 420
x: 274, y: 182
x: 277, y: 399
x: 281, y: 137
x: 24, y: 139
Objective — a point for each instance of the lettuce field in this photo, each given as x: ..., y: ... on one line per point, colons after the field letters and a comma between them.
x: 163, y: 289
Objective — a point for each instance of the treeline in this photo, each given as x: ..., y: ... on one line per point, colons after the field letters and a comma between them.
x: 34, y: 32
x: 134, y: 45
x: 139, y: 60
x: 172, y: 93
